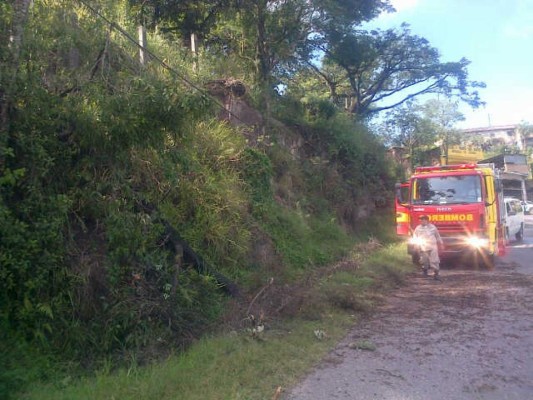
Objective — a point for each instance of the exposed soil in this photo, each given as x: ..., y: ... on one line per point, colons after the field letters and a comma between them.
x: 467, y: 337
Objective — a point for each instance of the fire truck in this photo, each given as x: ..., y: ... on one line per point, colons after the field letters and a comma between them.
x: 465, y: 203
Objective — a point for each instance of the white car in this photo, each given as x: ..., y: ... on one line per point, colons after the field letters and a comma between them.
x: 514, y: 219
x: 528, y: 206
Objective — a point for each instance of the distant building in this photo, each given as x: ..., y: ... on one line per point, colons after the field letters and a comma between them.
x: 489, y: 138
x: 511, y: 137
x: 492, y: 137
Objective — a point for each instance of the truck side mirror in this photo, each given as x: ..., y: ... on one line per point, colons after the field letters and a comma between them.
x: 399, y: 194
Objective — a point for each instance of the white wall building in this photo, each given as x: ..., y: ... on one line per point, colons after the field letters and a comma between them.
x: 494, y: 136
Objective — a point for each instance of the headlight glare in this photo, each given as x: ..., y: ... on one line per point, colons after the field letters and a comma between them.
x: 417, y: 241
x: 477, y: 242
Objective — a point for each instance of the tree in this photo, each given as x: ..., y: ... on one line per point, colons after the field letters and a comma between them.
x: 417, y: 127
x: 384, y: 69
x: 526, y: 131
x: 441, y: 117
x: 274, y: 37
x: 287, y: 34
x: 403, y: 127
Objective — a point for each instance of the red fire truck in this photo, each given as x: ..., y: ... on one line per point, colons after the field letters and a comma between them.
x: 465, y: 203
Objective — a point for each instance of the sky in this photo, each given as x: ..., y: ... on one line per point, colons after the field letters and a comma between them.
x: 495, y: 35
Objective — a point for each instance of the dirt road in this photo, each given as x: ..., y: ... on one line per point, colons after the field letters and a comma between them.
x: 469, y: 337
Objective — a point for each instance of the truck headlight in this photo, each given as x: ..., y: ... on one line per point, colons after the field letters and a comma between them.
x: 477, y: 242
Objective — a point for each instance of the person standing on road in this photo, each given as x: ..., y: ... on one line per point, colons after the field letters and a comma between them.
x: 430, y: 243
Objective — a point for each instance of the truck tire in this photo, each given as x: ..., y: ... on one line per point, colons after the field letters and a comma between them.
x: 489, y: 261
x: 484, y: 261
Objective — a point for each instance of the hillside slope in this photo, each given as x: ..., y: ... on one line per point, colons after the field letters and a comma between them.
x: 129, y: 196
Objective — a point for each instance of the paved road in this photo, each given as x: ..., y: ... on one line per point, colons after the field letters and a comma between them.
x: 469, y: 337
x: 521, y: 254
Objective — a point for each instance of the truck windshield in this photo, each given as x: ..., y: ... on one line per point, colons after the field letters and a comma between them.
x: 459, y: 189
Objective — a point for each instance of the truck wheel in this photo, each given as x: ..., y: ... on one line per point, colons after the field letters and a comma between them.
x: 484, y: 261
x: 520, y: 234
x: 488, y: 261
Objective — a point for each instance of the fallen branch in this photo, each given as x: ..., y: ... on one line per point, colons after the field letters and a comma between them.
x: 270, y: 282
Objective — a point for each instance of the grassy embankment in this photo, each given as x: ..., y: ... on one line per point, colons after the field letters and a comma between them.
x: 236, y: 364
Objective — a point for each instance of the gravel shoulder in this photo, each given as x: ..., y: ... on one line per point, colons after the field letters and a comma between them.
x: 468, y: 337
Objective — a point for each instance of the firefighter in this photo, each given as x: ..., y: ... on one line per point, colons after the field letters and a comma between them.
x: 430, y: 243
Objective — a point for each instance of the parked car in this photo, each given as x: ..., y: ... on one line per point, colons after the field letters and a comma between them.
x: 514, y: 218
x: 528, y: 206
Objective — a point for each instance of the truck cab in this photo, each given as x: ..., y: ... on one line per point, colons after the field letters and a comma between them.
x: 465, y: 203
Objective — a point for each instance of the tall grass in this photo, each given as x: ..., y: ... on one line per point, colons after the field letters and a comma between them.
x: 305, y: 240
x: 229, y: 367
x: 234, y: 365
x: 101, y: 159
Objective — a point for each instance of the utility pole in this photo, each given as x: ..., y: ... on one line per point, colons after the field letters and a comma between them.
x: 142, y: 42
x: 194, y: 50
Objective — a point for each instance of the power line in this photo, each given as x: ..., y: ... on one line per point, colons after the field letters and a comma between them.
x: 121, y: 30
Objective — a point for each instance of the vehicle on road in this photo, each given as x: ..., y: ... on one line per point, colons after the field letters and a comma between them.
x: 514, y: 219
x: 528, y: 206
x: 465, y: 202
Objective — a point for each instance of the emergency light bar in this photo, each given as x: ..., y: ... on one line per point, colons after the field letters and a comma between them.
x: 445, y: 167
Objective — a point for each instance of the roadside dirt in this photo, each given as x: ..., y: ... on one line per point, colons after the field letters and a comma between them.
x: 467, y: 337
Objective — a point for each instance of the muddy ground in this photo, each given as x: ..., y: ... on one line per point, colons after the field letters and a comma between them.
x: 467, y: 337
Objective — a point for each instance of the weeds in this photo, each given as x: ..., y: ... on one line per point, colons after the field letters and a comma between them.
x: 234, y: 365
x: 88, y: 273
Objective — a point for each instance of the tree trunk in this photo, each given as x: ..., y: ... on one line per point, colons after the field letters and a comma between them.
x: 16, y: 33
x: 262, y: 62
x: 262, y: 69
x: 20, y: 16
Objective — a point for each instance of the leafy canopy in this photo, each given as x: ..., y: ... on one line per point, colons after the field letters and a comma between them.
x: 380, y: 70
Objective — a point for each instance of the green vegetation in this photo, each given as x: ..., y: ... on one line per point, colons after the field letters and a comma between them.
x: 236, y: 365
x: 133, y: 189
